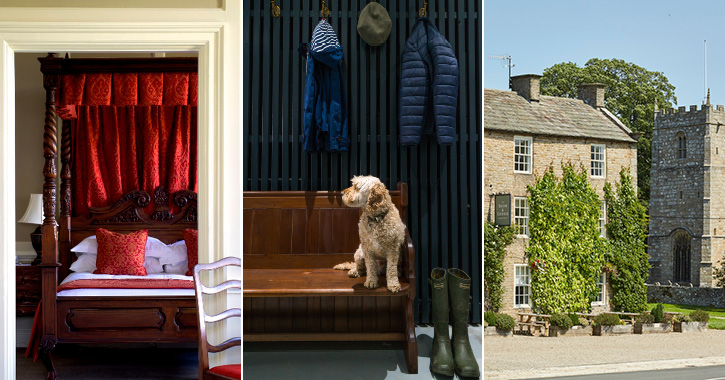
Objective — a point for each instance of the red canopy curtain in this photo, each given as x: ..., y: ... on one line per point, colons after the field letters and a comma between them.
x: 131, y: 131
x: 121, y: 149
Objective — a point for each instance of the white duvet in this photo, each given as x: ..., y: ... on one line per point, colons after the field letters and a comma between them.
x: 90, y: 292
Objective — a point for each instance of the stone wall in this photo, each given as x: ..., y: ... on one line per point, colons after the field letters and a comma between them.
x: 699, y: 296
x: 499, y: 178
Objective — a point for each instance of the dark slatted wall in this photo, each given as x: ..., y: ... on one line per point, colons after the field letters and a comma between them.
x: 445, y: 182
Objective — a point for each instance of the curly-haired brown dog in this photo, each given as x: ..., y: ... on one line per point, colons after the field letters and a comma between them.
x: 381, y: 230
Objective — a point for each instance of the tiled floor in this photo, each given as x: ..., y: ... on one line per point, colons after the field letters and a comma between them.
x: 342, y: 361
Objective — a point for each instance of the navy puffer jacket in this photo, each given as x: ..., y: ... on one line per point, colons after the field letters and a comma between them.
x: 428, y: 86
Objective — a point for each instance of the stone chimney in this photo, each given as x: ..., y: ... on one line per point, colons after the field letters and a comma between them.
x: 592, y: 94
x: 527, y: 86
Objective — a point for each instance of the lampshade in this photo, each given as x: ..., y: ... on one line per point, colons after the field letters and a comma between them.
x: 34, y: 213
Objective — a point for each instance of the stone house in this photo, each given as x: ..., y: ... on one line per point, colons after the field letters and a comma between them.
x: 524, y: 134
x: 687, y: 206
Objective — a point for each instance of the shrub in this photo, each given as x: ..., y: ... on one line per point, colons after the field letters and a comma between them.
x: 583, y: 321
x: 505, y: 321
x: 658, y: 311
x: 574, y: 319
x: 561, y: 320
x: 681, y: 318
x: 700, y: 316
x: 485, y: 324
x: 606, y: 320
x: 646, y: 318
x: 490, y: 318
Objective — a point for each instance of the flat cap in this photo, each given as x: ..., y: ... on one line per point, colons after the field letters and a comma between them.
x: 374, y: 24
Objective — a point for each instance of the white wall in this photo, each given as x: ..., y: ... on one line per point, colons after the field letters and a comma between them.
x: 29, y: 116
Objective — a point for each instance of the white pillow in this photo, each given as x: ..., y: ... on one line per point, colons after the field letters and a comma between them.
x: 177, y: 268
x: 154, y: 247
x: 153, y: 266
x: 87, y: 263
x: 176, y: 253
x: 88, y: 245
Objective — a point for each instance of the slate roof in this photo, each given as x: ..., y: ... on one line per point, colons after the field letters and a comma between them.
x: 507, y: 111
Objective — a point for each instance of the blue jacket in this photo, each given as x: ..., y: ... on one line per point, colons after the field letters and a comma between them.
x: 325, y: 109
x: 428, y: 86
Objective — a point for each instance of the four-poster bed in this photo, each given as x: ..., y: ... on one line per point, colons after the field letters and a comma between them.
x: 142, y: 113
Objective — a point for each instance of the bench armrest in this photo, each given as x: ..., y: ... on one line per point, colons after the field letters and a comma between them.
x: 407, y: 251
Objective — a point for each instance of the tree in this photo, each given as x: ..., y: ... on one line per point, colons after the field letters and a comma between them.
x: 631, y: 94
x: 565, y: 251
x: 627, y: 231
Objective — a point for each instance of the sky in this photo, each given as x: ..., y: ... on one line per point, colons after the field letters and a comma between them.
x: 664, y: 36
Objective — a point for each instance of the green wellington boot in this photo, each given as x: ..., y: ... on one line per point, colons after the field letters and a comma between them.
x: 459, y: 286
x: 441, y: 357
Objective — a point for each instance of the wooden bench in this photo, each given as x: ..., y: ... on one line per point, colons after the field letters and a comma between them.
x: 589, y: 317
x: 628, y: 317
x: 528, y: 321
x: 292, y: 239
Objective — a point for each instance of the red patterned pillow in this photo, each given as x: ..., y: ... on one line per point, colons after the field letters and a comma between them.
x: 192, y: 249
x: 121, y: 254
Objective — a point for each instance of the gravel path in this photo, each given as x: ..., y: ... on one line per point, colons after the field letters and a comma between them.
x: 532, y: 353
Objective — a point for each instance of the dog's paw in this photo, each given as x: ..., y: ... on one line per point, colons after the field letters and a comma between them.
x: 370, y: 283
x: 394, y: 287
x: 343, y: 266
x: 354, y: 273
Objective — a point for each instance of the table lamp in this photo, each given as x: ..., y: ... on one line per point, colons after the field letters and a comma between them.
x: 34, y: 215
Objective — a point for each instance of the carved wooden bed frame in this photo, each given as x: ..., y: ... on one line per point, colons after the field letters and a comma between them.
x: 106, y: 319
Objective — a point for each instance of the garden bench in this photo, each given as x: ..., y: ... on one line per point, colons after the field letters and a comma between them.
x: 529, y: 321
x: 629, y: 316
x: 292, y: 239
x: 672, y: 313
x: 589, y: 317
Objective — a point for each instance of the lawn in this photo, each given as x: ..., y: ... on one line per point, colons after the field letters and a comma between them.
x: 714, y: 323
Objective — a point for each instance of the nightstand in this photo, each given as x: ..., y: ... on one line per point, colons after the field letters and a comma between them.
x: 28, y: 289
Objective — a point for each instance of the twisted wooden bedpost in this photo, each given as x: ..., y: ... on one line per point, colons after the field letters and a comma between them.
x: 50, y: 66
x: 64, y: 243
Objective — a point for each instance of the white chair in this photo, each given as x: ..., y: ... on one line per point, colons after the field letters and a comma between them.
x: 222, y: 372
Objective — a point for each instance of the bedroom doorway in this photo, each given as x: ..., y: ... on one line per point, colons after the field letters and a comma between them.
x: 29, y: 111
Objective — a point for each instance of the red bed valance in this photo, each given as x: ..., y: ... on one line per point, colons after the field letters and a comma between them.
x: 126, y: 89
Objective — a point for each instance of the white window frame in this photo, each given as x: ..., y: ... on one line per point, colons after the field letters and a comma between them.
x: 603, y: 219
x: 602, y: 295
x: 529, y: 156
x: 521, y: 223
x: 526, y: 284
x: 603, y: 160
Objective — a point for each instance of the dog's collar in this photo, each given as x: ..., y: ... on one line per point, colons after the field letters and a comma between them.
x: 378, y: 217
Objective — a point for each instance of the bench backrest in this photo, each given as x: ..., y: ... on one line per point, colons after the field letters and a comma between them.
x: 303, y: 229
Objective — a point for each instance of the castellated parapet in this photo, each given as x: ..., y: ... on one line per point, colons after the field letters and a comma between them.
x: 687, y: 194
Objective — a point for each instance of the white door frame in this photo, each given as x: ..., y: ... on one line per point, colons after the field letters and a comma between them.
x: 209, y: 38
